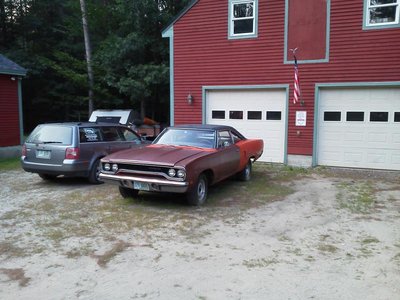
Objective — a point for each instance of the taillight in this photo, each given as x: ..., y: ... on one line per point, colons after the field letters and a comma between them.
x: 72, y: 153
x: 23, y: 152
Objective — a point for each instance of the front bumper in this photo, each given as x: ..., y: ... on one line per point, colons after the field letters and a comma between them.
x: 154, y: 184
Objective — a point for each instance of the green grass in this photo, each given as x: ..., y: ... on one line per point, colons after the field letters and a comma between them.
x: 7, y: 164
x: 358, y: 197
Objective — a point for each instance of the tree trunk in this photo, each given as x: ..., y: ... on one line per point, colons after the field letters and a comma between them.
x: 88, y: 50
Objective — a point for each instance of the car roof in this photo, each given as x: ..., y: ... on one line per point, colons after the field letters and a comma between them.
x: 203, y: 126
x: 83, y: 124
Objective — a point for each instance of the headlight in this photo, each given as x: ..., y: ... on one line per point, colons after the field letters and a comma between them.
x: 171, y: 172
x: 114, y: 167
x: 107, y: 167
x: 181, y: 173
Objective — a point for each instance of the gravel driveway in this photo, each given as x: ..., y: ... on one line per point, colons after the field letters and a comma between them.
x: 287, y: 234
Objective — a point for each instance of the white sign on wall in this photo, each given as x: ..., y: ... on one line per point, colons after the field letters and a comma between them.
x: 301, y: 118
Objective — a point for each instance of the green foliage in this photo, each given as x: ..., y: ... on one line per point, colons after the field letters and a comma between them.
x: 130, y: 58
x: 9, y: 164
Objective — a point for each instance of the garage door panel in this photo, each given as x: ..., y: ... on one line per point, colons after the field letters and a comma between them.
x: 258, y: 102
x: 369, y: 142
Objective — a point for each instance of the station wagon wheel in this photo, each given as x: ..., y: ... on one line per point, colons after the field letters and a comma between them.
x: 95, y: 172
x: 245, y: 174
x: 127, y: 192
x: 198, y: 194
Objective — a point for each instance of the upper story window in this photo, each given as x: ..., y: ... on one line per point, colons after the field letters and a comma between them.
x: 382, y: 13
x: 242, y: 18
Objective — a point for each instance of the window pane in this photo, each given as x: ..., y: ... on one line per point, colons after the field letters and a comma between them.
x: 129, y: 135
x: 332, y: 116
x: 89, y: 135
x: 218, y: 114
x: 274, y: 115
x: 378, y: 2
x: 110, y: 134
x: 382, y: 15
x: 236, y: 114
x: 378, y: 116
x: 243, y: 10
x: 355, y: 116
x: 254, y: 115
x: 397, y: 116
x: 243, y: 26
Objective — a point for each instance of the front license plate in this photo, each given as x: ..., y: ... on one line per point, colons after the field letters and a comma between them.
x: 142, y: 186
x: 43, y: 154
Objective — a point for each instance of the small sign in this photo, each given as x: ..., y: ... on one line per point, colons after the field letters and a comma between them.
x: 301, y: 118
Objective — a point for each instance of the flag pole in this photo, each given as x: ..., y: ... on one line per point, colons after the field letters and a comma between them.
x: 297, y: 97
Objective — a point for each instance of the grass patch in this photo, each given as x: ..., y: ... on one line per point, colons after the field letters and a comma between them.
x: 16, y: 275
x: 327, y: 248
x: 8, y: 164
x: 260, y: 262
x: 358, y: 197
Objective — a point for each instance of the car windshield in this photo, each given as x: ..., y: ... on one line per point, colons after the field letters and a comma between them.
x: 187, y: 137
x: 51, y: 134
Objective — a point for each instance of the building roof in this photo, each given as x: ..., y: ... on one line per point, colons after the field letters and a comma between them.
x: 179, y: 15
x: 9, y: 67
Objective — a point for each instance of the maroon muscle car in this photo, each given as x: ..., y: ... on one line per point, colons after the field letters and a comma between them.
x: 183, y: 159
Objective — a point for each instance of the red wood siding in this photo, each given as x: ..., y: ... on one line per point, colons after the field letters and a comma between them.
x: 9, y: 113
x: 204, y: 56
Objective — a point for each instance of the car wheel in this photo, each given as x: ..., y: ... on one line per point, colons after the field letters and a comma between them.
x: 245, y: 174
x: 198, y: 194
x: 95, y: 172
x: 127, y: 192
x: 47, y: 176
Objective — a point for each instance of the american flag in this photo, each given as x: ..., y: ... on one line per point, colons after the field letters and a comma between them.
x: 296, y: 91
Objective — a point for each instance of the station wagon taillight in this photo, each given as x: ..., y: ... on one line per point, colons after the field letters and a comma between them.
x: 72, y: 153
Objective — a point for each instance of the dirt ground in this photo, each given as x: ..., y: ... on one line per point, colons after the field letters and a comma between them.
x: 287, y: 234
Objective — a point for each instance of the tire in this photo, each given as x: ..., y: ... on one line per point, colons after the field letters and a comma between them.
x: 94, y: 172
x: 197, y: 196
x: 47, y: 176
x: 245, y: 174
x: 127, y: 192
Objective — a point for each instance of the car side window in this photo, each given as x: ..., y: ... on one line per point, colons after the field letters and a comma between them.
x: 111, y: 134
x: 129, y: 135
x: 235, y: 137
x: 224, y: 139
x: 89, y: 135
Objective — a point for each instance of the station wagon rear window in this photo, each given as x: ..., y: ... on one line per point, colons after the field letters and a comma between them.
x: 51, y: 134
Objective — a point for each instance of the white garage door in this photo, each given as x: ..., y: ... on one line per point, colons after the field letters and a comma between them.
x: 359, y: 128
x: 255, y: 113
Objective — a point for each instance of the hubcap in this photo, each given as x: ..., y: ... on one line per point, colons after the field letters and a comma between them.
x: 201, y: 190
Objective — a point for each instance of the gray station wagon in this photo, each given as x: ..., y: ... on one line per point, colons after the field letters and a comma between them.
x: 74, y: 149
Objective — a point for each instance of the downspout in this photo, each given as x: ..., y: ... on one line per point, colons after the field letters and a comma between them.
x: 20, y: 111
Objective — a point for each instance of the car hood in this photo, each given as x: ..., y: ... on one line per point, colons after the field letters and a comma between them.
x: 163, y: 155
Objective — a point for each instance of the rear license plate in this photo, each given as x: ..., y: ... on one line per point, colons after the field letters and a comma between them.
x: 142, y: 186
x: 43, y: 154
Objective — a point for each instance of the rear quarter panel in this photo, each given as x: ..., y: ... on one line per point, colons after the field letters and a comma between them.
x: 249, y: 149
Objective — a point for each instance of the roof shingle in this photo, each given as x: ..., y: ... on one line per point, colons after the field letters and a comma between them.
x: 9, y: 67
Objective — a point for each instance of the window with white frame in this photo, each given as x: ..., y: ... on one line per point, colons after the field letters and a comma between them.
x: 242, y: 18
x: 382, y: 12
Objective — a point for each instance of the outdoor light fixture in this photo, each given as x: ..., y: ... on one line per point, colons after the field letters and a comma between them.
x: 190, y: 99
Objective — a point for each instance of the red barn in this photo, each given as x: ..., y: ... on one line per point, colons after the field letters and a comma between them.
x: 231, y: 63
x: 11, y: 125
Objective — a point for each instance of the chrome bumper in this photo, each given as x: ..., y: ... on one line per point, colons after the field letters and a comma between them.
x: 155, y: 184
